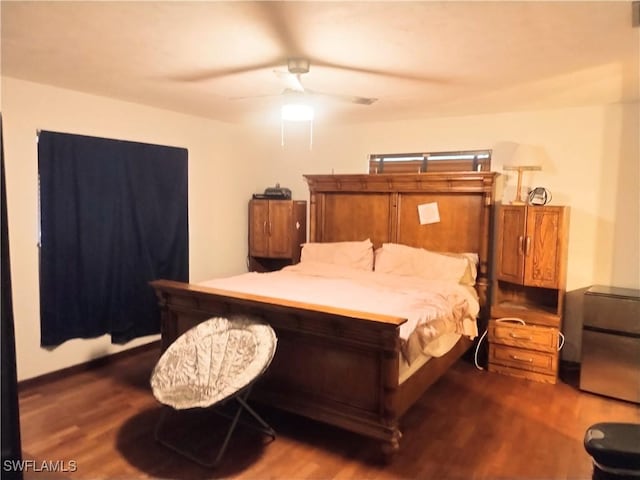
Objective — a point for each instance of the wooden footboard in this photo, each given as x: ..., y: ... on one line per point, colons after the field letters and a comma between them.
x: 333, y: 365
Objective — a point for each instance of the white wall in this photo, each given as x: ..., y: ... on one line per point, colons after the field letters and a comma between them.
x: 218, y: 197
x: 592, y: 165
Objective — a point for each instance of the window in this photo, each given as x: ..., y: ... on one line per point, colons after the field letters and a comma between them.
x: 460, y: 161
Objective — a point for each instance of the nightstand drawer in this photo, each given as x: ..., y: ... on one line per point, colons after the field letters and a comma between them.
x: 541, y: 362
x: 519, y: 373
x: 532, y: 337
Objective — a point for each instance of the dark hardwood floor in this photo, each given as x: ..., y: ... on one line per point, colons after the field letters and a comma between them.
x: 470, y: 424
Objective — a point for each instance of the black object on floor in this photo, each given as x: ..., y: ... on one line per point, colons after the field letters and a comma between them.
x: 615, y: 449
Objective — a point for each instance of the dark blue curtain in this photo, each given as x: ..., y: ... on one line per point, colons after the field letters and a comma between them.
x: 114, y: 215
x: 11, y: 446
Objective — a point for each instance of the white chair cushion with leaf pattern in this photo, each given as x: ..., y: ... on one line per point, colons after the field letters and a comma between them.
x: 212, y: 361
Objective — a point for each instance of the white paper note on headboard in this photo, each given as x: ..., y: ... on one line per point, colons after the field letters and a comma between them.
x: 428, y: 213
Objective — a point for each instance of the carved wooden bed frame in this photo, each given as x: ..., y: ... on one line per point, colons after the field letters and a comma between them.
x: 339, y: 366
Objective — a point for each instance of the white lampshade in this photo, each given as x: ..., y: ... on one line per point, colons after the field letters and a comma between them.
x: 297, y: 112
x: 528, y: 155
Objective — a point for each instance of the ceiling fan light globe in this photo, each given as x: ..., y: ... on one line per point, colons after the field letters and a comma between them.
x: 297, y: 112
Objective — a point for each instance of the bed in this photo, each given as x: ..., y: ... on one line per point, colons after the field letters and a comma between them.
x: 339, y: 365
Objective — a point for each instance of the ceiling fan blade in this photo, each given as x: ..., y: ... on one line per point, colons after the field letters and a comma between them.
x: 248, y: 97
x: 291, y: 80
x: 379, y: 72
x: 287, y: 93
x: 283, y: 26
x: 345, y: 98
x: 212, y: 73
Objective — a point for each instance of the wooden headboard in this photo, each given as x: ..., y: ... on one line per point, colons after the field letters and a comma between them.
x: 384, y: 208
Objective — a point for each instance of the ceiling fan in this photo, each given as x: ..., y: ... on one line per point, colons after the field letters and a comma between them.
x: 292, y: 80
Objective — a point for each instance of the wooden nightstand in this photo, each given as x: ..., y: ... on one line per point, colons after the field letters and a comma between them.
x: 525, y: 351
x: 531, y: 259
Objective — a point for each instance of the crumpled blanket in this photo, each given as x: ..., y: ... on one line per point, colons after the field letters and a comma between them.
x: 432, y: 308
x: 451, y: 321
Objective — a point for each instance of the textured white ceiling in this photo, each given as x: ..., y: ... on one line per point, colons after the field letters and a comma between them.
x: 418, y: 58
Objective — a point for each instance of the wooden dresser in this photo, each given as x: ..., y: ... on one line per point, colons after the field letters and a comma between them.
x: 528, y: 294
x: 277, y: 229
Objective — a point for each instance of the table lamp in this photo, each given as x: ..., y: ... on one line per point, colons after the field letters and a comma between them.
x: 525, y: 158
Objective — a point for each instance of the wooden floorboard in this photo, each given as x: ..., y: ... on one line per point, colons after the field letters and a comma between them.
x: 470, y: 425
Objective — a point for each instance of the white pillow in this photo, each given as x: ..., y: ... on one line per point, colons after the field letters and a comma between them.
x: 418, y: 262
x: 471, y: 272
x: 348, y: 254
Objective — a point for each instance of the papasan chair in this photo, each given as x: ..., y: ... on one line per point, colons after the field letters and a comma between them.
x: 214, y: 363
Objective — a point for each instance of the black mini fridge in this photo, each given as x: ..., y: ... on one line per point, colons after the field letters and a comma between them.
x: 611, y: 343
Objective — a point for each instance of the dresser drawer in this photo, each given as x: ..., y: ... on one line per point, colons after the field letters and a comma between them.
x: 518, y: 373
x: 542, y: 362
x: 533, y: 337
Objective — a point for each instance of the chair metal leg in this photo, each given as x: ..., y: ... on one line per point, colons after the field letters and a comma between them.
x: 225, y: 443
x: 265, y: 426
x: 173, y: 446
x: 235, y: 419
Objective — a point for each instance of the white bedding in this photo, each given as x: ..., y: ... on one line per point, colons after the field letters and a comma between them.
x: 432, y: 308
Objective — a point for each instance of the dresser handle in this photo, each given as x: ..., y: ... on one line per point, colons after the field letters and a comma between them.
x: 520, y: 359
x: 527, y: 246
x: 520, y: 244
x: 518, y: 337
